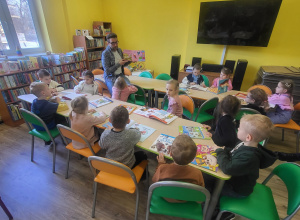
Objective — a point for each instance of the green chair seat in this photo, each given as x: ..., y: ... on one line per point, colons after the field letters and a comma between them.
x: 138, y: 98
x: 44, y: 135
x: 164, y: 76
x: 208, y: 106
x: 146, y: 74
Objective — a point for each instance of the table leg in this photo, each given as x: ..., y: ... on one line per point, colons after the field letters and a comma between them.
x: 214, y: 198
x: 156, y: 99
x: 150, y: 98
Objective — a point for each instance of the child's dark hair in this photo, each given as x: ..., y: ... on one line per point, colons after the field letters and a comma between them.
x: 42, y: 73
x: 259, y: 96
x: 88, y: 73
x: 226, y: 71
x: 183, y: 149
x: 111, y: 35
x: 197, y: 66
x: 230, y: 105
x: 288, y: 84
x: 119, y: 117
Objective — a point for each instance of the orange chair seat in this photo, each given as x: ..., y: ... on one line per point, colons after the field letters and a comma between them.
x: 106, y: 93
x: 85, y: 151
x: 124, y: 183
x: 290, y: 125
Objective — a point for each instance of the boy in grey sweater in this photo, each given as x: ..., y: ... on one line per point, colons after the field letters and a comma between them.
x: 119, y: 141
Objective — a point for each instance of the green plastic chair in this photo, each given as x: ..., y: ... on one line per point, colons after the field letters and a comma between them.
x: 146, y: 74
x: 47, y: 135
x: 202, y: 115
x: 138, y: 98
x: 193, y: 194
x: 206, y: 80
x: 245, y: 111
x: 164, y: 76
x: 260, y: 204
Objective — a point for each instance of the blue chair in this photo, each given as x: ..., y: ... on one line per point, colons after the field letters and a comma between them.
x: 146, y: 74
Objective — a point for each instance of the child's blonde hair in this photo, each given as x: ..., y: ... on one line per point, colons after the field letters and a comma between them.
x: 36, y: 88
x: 288, y: 84
x: 175, y: 83
x: 183, y: 149
x: 259, y: 126
x: 79, y: 105
x: 259, y: 96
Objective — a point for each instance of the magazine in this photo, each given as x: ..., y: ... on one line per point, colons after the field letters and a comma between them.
x: 100, y: 102
x: 145, y: 130
x: 163, y: 144
x: 194, y: 132
x: 158, y: 114
x: 130, y: 108
x: 222, y: 87
x: 206, y: 157
x: 108, y: 124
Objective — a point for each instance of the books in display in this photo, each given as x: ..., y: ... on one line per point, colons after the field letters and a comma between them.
x: 129, y: 108
x: 158, y: 114
x: 100, y: 102
x: 163, y: 144
x: 195, y: 132
x: 206, y: 157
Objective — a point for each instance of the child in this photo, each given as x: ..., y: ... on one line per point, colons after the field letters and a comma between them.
x: 175, y: 106
x: 195, y: 78
x: 256, y: 99
x: 183, y: 151
x: 244, y: 161
x: 225, y: 74
x: 119, y: 141
x: 83, y: 122
x: 284, y: 102
x: 87, y: 85
x: 45, y: 77
x: 121, y: 90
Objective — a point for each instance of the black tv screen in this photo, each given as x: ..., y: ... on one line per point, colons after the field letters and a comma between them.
x: 240, y: 22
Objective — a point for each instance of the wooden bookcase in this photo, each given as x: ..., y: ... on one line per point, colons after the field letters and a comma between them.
x: 93, y: 48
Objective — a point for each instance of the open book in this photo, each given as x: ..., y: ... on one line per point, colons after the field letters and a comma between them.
x: 222, y: 87
x: 242, y: 97
x: 206, y: 157
x: 158, y: 114
x: 130, y: 108
x: 100, y: 102
x: 163, y: 144
x: 198, y: 87
x: 194, y: 132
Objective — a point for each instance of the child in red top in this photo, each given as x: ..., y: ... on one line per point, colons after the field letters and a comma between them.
x: 121, y: 90
x: 175, y: 106
x: 225, y: 74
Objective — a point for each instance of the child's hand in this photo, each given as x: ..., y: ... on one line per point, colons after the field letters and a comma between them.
x: 91, y: 111
x: 206, y: 126
x: 192, y: 83
x: 161, y: 158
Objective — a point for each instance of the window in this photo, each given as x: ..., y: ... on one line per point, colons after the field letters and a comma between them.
x: 19, y: 27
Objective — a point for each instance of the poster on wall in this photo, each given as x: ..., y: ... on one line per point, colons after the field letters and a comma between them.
x: 134, y: 55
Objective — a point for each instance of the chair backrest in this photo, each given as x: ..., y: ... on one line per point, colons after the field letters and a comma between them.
x: 69, y: 133
x: 206, y: 80
x: 207, y: 105
x: 146, y: 74
x: 163, y: 76
x: 289, y: 173
x: 263, y: 87
x: 140, y: 94
x: 187, y: 103
x: 75, y: 81
x: 127, y: 71
x: 98, y: 72
x: 245, y: 111
x: 297, y: 107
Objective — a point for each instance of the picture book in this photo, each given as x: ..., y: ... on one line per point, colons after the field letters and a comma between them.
x: 100, y: 102
x: 198, y: 87
x: 108, y: 124
x: 163, y: 144
x: 134, y: 55
x: 70, y: 95
x: 129, y: 108
x: 206, y: 157
x: 158, y: 114
x: 97, y: 114
x: 195, y: 132
x: 242, y: 97
x: 222, y: 87
x: 145, y: 130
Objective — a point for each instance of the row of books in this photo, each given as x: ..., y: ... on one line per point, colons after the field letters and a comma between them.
x: 95, y: 64
x: 62, y: 78
x: 96, y: 42
x: 68, y: 67
x: 68, y: 85
x: 14, y: 111
x: 94, y: 55
x: 12, y: 95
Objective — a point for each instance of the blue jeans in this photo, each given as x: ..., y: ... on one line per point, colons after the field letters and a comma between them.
x: 280, y: 116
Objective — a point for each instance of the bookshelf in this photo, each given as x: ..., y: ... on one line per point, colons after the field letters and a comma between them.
x: 95, y: 46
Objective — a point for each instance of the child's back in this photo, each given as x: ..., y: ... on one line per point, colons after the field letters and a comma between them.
x: 121, y: 90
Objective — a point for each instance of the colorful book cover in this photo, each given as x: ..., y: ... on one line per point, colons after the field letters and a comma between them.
x: 159, y: 114
x: 130, y: 108
x: 223, y: 86
x: 145, y: 130
x: 195, y: 132
x: 100, y: 102
x: 206, y: 157
x: 163, y: 144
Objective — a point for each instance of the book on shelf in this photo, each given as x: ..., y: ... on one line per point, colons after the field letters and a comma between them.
x: 130, y: 108
x: 100, y: 102
x: 158, y: 114
x: 194, y: 132
x: 206, y: 157
x: 163, y: 144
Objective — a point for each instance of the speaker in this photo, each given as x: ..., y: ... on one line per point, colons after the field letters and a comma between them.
x: 196, y: 60
x: 212, y: 67
x: 175, y: 65
x: 239, y: 74
x: 230, y: 64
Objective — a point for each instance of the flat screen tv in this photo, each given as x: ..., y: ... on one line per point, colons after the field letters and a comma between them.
x: 240, y: 22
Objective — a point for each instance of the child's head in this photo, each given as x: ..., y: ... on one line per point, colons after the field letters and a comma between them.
x: 196, y: 69
x: 44, y: 76
x: 88, y: 77
x: 172, y: 87
x: 40, y: 89
x: 230, y: 105
x: 225, y: 73
x: 285, y: 86
x: 120, y: 83
x: 183, y: 149
x: 257, y: 127
x: 256, y: 96
x: 80, y: 105
x: 119, y: 117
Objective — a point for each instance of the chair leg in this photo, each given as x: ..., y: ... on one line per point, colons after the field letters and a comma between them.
x: 282, y: 135
x: 68, y: 161
x: 54, y: 156
x: 5, y: 209
x: 32, y: 147
x: 137, y: 203
x: 297, y: 142
x: 147, y: 176
x: 95, y: 199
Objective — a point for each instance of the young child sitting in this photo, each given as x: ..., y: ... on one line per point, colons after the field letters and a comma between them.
x: 45, y: 77
x: 283, y: 102
x: 195, y: 78
x: 121, y: 90
x: 256, y: 99
x: 84, y: 122
x: 183, y: 151
x: 119, y: 141
x: 245, y: 159
x: 225, y: 74
x: 175, y: 106
x: 87, y: 85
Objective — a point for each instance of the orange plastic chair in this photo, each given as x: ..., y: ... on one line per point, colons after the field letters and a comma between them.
x: 98, y: 71
x: 292, y: 125
x: 102, y: 88
x: 117, y: 175
x: 75, y: 81
x: 188, y: 106
x: 127, y: 72
x: 67, y: 132
x: 263, y: 87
